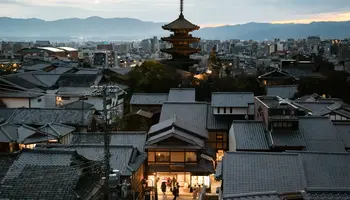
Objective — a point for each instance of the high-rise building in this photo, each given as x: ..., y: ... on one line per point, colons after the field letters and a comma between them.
x: 181, y: 40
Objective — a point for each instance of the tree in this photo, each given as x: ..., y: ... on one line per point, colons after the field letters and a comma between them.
x: 215, y: 64
x: 153, y: 77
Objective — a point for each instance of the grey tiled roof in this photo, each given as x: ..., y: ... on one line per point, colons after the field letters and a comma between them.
x: 80, y: 104
x: 8, y: 132
x: 58, y: 130
x: 6, y: 160
x: 324, y: 173
x: 217, y: 122
x: 320, y: 134
x: 325, y: 145
x: 121, y: 155
x: 327, y: 195
x: 6, y: 113
x: 278, y: 138
x: 178, y: 134
x: 48, y: 79
x: 78, y: 80
x: 136, y: 139
x: 232, y: 99
x: 182, y: 95
x: 343, y: 129
x: 314, y: 106
x: 41, y: 116
x: 249, y: 135
x: 42, y: 182
x: 148, y: 99
x: 192, y: 113
x: 262, y: 172
x: 327, y: 170
x: 176, y: 121
x: 254, y: 196
x: 284, y: 91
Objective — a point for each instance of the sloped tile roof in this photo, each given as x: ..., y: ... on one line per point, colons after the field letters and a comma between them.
x: 41, y: 116
x: 320, y: 174
x: 284, y: 91
x: 254, y: 196
x: 121, y: 155
x: 262, y: 172
x: 8, y: 132
x: 176, y: 121
x: 278, y: 138
x: 327, y: 170
x: 180, y: 23
x: 48, y: 79
x: 175, y: 133
x: 232, y: 99
x: 6, y: 113
x: 58, y: 130
x: 343, y: 129
x: 148, y: 99
x: 6, y: 160
x: 182, y: 95
x: 192, y: 113
x: 249, y: 135
x: 79, y: 105
x: 136, y: 139
x: 43, y: 182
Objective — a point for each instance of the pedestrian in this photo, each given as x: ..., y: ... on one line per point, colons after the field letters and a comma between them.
x: 178, y: 189
x: 163, y: 187
x: 195, y: 192
x: 175, y: 191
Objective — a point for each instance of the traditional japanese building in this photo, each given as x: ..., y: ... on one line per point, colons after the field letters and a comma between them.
x: 181, y: 40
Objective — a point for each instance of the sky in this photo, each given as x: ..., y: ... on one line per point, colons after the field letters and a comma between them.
x: 206, y: 13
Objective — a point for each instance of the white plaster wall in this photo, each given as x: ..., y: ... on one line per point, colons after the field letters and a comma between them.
x: 232, y: 140
x: 16, y: 102
x: 235, y: 111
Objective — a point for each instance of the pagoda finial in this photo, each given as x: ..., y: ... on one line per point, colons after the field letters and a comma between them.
x: 181, y: 6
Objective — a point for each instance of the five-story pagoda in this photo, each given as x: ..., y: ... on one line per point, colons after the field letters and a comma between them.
x: 181, y: 40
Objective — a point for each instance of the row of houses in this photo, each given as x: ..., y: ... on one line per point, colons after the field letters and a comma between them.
x: 255, y: 146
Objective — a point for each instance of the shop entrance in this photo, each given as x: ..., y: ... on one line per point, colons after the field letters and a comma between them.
x: 185, y: 180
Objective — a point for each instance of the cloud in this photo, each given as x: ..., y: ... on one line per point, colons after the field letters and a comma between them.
x: 205, y: 12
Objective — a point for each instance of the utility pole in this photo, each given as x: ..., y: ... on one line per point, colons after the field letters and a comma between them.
x: 107, y: 169
x: 106, y: 143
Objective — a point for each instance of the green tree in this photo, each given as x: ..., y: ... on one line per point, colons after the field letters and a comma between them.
x: 215, y: 64
x: 153, y: 77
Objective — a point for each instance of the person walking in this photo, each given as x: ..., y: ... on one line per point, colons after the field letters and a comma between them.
x: 163, y: 188
x: 195, y: 192
x: 175, y: 192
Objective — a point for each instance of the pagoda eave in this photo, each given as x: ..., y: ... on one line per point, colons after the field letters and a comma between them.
x: 180, y: 29
x: 180, y: 51
x: 181, y: 39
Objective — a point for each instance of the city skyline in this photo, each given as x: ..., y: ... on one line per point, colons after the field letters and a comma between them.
x: 228, y: 12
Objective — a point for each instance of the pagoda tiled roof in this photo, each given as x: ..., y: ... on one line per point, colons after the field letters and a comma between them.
x: 180, y: 23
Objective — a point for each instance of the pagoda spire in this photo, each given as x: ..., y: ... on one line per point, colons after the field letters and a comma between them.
x: 181, y: 7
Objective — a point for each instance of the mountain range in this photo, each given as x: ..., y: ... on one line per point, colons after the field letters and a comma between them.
x: 97, y: 28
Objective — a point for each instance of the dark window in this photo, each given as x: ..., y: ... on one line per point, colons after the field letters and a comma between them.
x: 39, y: 100
x: 231, y: 110
x: 218, y: 110
x: 225, y: 110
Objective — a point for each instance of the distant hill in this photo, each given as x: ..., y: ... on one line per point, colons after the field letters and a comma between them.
x: 128, y: 28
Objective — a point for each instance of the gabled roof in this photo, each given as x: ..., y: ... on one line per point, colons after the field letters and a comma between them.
x: 286, y: 139
x: 180, y: 24
x: 232, y: 99
x: 57, y: 130
x: 193, y: 113
x: 148, y: 98
x: 182, y: 95
x: 188, y: 140
x: 177, y: 122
